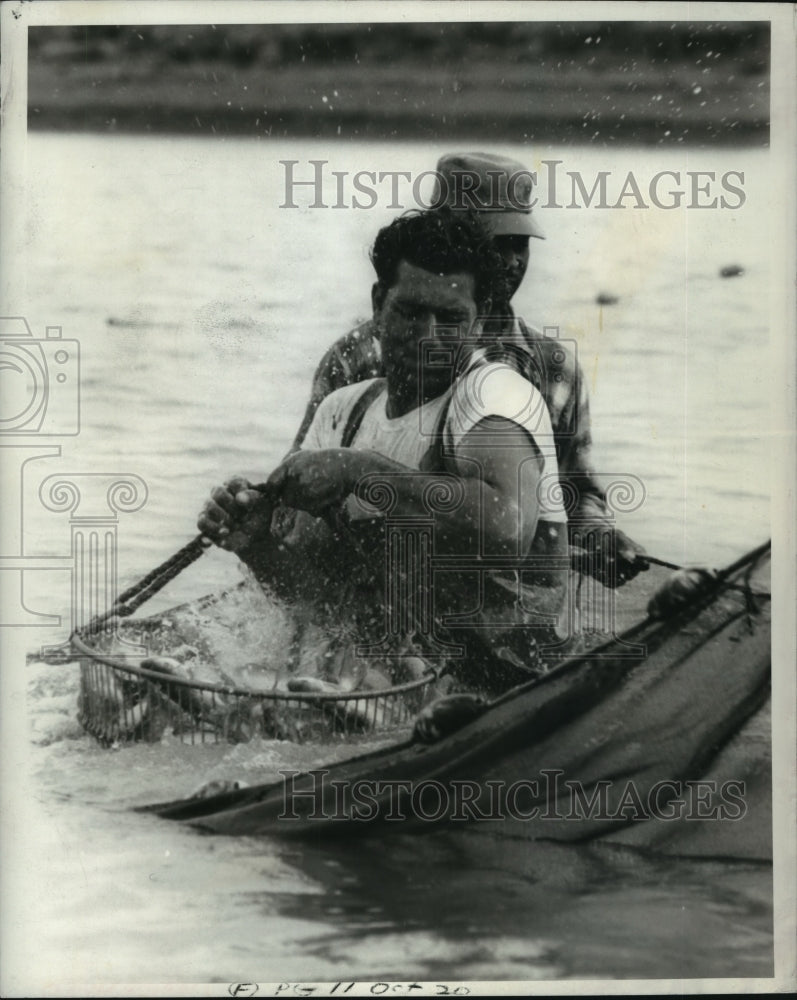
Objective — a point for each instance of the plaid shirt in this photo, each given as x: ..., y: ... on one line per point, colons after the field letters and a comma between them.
x: 550, y: 364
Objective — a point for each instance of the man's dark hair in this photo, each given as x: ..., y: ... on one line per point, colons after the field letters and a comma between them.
x: 444, y: 242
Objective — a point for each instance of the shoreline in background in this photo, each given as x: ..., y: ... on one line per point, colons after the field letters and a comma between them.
x: 574, y: 84
x: 160, y: 120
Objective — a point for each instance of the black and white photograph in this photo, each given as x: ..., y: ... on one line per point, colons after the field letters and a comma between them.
x: 397, y: 430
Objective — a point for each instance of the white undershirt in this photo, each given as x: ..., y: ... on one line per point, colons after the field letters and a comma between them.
x: 491, y: 389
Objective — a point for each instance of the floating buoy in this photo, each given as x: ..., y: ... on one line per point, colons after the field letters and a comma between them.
x: 606, y: 299
x: 682, y: 587
x: 731, y: 271
x: 218, y: 787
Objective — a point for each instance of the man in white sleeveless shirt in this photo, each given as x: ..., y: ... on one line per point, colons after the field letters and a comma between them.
x: 453, y: 436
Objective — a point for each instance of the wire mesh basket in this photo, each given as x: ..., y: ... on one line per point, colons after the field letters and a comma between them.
x: 123, y: 702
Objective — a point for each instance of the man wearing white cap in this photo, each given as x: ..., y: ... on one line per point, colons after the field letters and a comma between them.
x: 500, y: 190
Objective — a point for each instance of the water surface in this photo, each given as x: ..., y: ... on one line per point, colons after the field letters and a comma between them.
x: 202, y: 309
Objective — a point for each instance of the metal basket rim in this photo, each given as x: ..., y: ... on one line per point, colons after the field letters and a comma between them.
x: 82, y: 647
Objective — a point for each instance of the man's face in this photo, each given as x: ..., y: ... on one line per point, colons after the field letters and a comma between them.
x: 514, y: 251
x: 422, y: 307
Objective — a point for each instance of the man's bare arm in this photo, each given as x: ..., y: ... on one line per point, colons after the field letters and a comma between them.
x: 491, y: 518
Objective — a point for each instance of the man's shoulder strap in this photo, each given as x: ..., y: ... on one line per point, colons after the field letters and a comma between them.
x: 433, y: 459
x: 361, y: 404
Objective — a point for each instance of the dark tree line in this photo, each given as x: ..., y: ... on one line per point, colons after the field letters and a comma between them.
x: 518, y: 42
